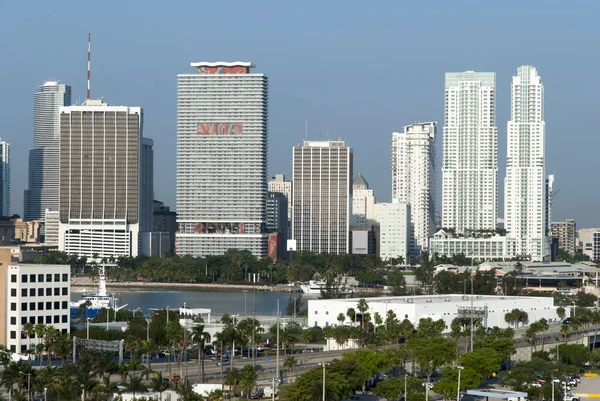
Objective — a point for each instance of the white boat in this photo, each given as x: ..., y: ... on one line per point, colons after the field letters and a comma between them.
x: 99, y: 300
x: 314, y: 287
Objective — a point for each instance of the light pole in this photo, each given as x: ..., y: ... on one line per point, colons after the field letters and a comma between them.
x: 245, y: 304
x: 458, y: 389
x: 553, y: 381
x: 276, y: 379
x: 28, y: 384
x: 324, y: 364
x: 82, y: 393
x: 45, y: 393
x: 405, y: 392
x: 88, y: 328
x: 472, y: 327
x: 148, y: 341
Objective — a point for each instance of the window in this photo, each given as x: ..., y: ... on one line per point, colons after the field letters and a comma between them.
x: 13, y: 292
x: 56, y: 305
x: 48, y: 292
x: 13, y: 278
x: 13, y: 320
x: 56, y: 278
x: 32, y: 278
x: 40, y: 320
x: 316, y: 312
x: 32, y: 292
x: 13, y: 334
x: 40, y: 278
x: 40, y: 306
x: 32, y: 319
x: 65, y: 291
x: 48, y: 278
x: 56, y: 291
x: 48, y: 305
x: 64, y: 318
x: 40, y: 292
x: 32, y: 306
x: 65, y: 305
x: 56, y: 318
x: 48, y: 319
x: 23, y: 278
x: 23, y: 292
x: 65, y: 277
x: 24, y: 306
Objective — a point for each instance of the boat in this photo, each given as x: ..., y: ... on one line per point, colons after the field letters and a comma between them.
x: 314, y: 287
x: 96, y: 302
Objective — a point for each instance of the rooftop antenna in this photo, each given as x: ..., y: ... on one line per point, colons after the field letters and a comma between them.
x: 89, y: 93
x: 306, y: 130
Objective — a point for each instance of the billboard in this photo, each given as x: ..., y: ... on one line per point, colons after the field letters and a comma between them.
x: 272, y: 249
x: 220, y: 129
x: 237, y: 69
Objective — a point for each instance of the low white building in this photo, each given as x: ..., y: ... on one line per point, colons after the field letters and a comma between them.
x: 482, y: 248
x: 493, y: 308
x: 38, y: 294
x: 394, y: 229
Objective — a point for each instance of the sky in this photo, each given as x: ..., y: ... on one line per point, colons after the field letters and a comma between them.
x: 355, y: 70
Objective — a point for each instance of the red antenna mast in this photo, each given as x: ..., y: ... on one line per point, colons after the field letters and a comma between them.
x: 89, y: 93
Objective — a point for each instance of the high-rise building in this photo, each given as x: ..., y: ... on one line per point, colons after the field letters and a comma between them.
x: 322, y: 176
x: 566, y: 233
x: 363, y: 202
x: 51, y: 224
x: 394, y: 230
x: 4, y: 179
x: 102, y: 191
x: 277, y: 221
x: 414, y: 178
x: 279, y: 184
x: 164, y: 220
x: 222, y: 126
x: 470, y: 152
x: 525, y: 193
x: 42, y: 192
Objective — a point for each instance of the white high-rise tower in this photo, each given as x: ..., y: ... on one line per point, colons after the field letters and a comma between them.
x: 42, y: 192
x: 413, y: 177
x: 222, y: 126
x: 525, y: 202
x: 470, y: 152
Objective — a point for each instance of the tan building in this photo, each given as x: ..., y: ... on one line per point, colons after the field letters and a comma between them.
x: 566, y: 233
x: 27, y: 231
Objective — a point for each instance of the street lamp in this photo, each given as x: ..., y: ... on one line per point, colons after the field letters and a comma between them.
x: 82, y: 392
x: 45, y: 393
x: 458, y: 389
x: 28, y: 384
x: 405, y: 392
x: 88, y: 328
x: 324, y: 364
x: 553, y: 381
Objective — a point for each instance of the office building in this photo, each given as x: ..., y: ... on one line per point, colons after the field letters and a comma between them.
x: 42, y: 192
x: 155, y: 243
x: 363, y: 239
x: 363, y: 202
x: 525, y: 205
x: 102, y: 180
x: 485, y: 247
x: 278, y: 183
x: 470, y: 152
x: 414, y: 178
x: 322, y: 190
x: 222, y: 127
x: 27, y: 231
x: 38, y: 294
x: 566, y: 233
x: 51, y: 223
x: 277, y: 222
x: 164, y: 221
x: 588, y: 243
x: 394, y: 230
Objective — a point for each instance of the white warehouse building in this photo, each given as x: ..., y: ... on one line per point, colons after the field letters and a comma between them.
x: 493, y: 308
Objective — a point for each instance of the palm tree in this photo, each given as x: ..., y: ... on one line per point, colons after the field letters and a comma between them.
x: 40, y: 332
x: 135, y: 384
x: 351, y: 313
x: 200, y: 338
x: 159, y: 384
x: 362, y: 307
x: 306, y: 338
x: 4, y: 355
x: 29, y: 330
x: 131, y: 344
x: 10, y: 376
x: 290, y: 363
x: 248, y: 378
x: 341, y: 318
x: 104, y: 365
x: 86, y: 381
x: 564, y: 331
x: 108, y: 387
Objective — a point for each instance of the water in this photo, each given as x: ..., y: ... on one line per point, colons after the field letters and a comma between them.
x: 232, y: 302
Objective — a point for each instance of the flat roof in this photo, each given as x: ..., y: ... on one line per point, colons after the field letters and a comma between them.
x: 497, y: 393
x: 222, y: 64
x: 426, y: 299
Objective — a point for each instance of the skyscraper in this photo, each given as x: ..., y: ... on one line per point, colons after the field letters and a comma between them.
x: 102, y: 166
x: 525, y: 193
x: 414, y: 176
x: 222, y: 124
x: 4, y: 179
x: 363, y: 202
x: 470, y: 152
x: 322, y: 174
x: 42, y: 193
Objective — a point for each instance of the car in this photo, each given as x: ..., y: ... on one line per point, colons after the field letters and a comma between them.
x: 354, y: 397
x: 175, y: 377
x: 567, y: 321
x: 571, y: 382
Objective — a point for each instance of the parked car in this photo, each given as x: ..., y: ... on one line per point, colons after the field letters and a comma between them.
x: 175, y: 377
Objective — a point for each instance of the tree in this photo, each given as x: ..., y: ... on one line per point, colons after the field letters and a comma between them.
x: 28, y: 330
x: 248, y: 378
x: 560, y: 311
x: 232, y: 379
x: 295, y: 303
x: 290, y: 363
x: 135, y: 384
x: 430, y: 354
x: 392, y: 389
x: 351, y: 313
x: 362, y: 306
x: 396, y: 282
x: 200, y: 338
x: 159, y: 384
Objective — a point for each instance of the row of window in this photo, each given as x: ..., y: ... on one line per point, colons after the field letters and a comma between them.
x: 32, y: 278
x: 40, y: 305
x: 40, y: 320
x: 40, y: 292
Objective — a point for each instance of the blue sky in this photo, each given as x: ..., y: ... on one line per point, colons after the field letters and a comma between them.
x: 357, y: 70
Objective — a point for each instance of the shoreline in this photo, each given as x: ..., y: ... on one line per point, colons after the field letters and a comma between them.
x: 88, y: 282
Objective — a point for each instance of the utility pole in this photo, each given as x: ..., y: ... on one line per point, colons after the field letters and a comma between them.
x: 254, y: 320
x: 472, y: 326
x: 276, y: 380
